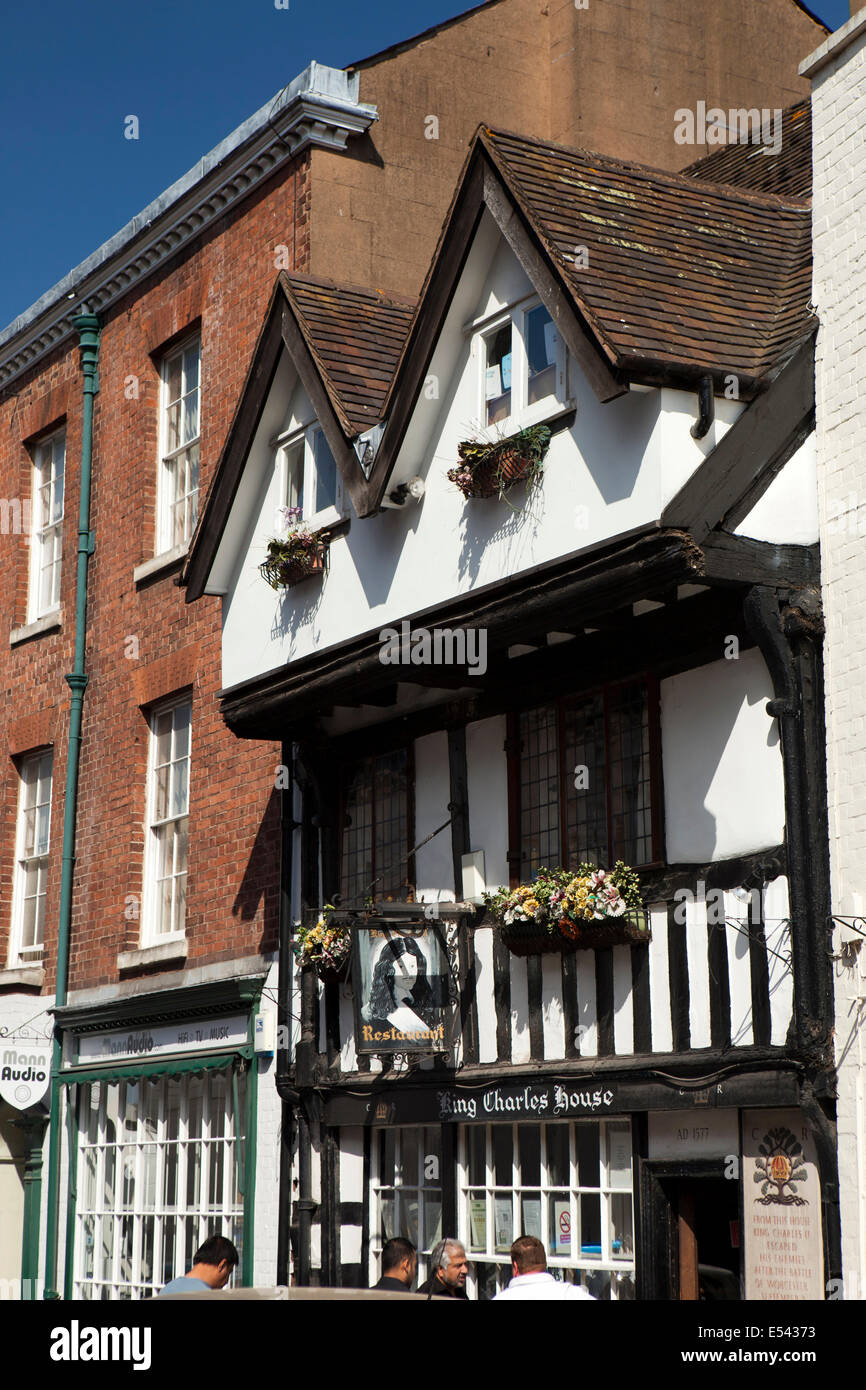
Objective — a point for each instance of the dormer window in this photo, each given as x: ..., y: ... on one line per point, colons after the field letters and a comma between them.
x: 308, y: 477
x: 523, y: 367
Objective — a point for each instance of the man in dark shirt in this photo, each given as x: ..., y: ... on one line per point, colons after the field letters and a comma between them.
x: 399, y: 1265
x: 448, y: 1265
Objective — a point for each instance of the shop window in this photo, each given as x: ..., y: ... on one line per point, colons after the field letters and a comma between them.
x: 168, y: 823
x: 376, y: 836
x: 46, y: 547
x: 407, y: 1192
x: 588, y: 782
x: 33, y: 842
x: 180, y: 430
x: 158, y: 1172
x: 568, y: 1183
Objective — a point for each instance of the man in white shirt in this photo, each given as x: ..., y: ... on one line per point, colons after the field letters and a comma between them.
x: 530, y: 1277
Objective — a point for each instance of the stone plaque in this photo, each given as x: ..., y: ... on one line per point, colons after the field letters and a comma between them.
x: 783, y: 1247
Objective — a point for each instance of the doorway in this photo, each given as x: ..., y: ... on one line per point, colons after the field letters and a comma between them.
x: 690, y: 1229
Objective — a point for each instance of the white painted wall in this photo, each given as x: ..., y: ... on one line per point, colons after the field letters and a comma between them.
x: 788, y: 510
x: 723, y: 782
x: 614, y: 470
x: 839, y: 293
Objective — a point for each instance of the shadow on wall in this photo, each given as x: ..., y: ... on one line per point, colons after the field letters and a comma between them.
x: 260, y: 883
x: 711, y: 758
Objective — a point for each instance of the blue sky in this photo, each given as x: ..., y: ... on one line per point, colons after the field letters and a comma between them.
x: 190, y: 70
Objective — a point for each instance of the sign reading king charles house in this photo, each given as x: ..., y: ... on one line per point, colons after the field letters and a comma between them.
x: 401, y: 999
x: 25, y: 1071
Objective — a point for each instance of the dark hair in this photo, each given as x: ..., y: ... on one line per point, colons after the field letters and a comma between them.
x: 214, y: 1250
x: 382, y: 1000
x: 395, y: 1251
x: 528, y: 1253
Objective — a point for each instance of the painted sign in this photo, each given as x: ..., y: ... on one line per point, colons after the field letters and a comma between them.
x: 782, y: 1207
x: 144, y: 1043
x: 401, y: 994
x: 534, y: 1101
x: 682, y: 1135
x: 25, y: 1071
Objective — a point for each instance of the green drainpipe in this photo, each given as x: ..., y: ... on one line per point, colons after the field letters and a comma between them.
x: 88, y: 345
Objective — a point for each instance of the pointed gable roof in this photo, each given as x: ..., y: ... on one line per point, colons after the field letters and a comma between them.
x: 680, y: 274
x: 355, y: 336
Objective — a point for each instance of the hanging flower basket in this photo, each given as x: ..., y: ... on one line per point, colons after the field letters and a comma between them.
x: 567, y: 910
x: 490, y: 470
x: 295, y: 556
x: 325, y: 946
x: 529, y: 938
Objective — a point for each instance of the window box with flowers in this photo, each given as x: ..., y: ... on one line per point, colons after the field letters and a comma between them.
x: 491, y: 469
x: 299, y: 554
x: 571, y: 910
x: 324, y: 945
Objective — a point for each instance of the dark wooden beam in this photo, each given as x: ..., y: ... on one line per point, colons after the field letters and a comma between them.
x: 741, y: 560
x: 745, y: 461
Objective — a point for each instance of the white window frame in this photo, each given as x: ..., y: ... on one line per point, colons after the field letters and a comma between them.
x: 45, y: 534
x: 136, y: 1166
x: 36, y: 774
x: 151, y: 935
x: 605, y: 1189
x: 303, y: 437
x: 167, y: 498
x: 424, y: 1189
x: 522, y: 413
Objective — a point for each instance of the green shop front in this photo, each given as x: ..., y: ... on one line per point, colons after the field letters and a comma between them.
x: 160, y: 1119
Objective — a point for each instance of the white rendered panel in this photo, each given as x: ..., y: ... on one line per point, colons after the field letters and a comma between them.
x: 660, y: 981
x: 699, y: 972
x: 587, y: 1013
x: 520, y: 1051
x: 623, y: 1003
x: 484, y: 1000
x: 739, y: 971
x: 553, y: 1022
x: 777, y: 931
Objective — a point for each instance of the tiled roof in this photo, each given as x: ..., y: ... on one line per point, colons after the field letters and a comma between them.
x: 788, y: 173
x: 356, y: 336
x: 681, y: 275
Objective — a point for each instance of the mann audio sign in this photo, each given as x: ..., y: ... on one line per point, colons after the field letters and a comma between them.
x: 25, y: 1071
x: 144, y: 1043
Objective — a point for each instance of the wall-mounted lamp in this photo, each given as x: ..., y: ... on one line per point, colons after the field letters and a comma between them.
x: 411, y: 491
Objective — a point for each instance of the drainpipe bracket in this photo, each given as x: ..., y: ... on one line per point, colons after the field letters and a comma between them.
x: 77, y: 680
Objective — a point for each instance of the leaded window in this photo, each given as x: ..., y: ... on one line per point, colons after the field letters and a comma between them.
x: 376, y: 829
x: 588, y: 782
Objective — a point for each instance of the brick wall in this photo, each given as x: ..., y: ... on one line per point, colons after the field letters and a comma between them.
x: 224, y: 283
x: 839, y: 112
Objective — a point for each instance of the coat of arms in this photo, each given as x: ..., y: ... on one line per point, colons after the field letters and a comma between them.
x: 781, y: 1166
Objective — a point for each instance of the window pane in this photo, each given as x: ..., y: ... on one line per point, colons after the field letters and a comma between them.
x: 497, y: 375
x: 559, y: 1219
x: 541, y: 354
x: 557, y: 1155
x: 478, y: 1220
x: 586, y: 802
x: 539, y: 790
x: 477, y: 1136
x: 628, y: 718
x: 502, y: 1155
x: 375, y: 829
x: 621, y: 1234
x: 587, y: 1155
x: 529, y: 1144
x: 326, y: 473
x: 590, y: 1224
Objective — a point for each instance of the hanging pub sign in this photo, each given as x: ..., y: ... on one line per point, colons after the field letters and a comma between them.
x: 401, y: 988
x: 25, y: 1071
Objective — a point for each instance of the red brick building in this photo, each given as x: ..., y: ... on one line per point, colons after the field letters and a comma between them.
x: 174, y: 905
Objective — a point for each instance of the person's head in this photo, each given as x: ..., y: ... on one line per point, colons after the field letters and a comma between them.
x: 528, y: 1256
x: 400, y: 972
x: 400, y: 1260
x: 448, y: 1262
x: 214, y: 1261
